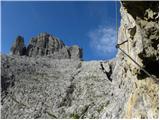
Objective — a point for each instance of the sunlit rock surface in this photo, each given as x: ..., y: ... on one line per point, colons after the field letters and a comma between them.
x: 37, y: 86
x: 46, y: 45
x: 139, y: 25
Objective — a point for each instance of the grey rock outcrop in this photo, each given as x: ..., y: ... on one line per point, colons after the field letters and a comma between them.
x: 75, y: 52
x: 46, y: 45
x: 138, y: 27
x: 18, y: 47
x: 43, y: 87
x: 144, y: 21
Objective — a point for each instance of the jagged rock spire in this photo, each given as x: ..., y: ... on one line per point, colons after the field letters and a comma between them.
x: 18, y: 47
x: 46, y: 45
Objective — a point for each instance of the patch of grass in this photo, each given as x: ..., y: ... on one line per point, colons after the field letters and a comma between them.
x: 107, y: 103
x: 74, y: 116
x: 100, y: 109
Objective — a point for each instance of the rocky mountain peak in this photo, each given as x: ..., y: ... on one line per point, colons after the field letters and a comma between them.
x: 18, y: 47
x: 45, y: 44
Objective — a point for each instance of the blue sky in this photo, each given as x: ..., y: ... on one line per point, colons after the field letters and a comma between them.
x: 91, y: 25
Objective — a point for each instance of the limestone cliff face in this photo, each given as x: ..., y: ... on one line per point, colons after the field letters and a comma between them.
x: 43, y: 87
x: 46, y: 45
x: 139, y: 25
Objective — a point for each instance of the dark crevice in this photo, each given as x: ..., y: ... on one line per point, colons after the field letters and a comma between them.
x: 151, y: 65
x: 6, y: 82
x: 84, y: 111
x: 46, y: 41
x: 69, y: 53
x: 155, y: 43
x: 67, y: 100
x: 47, y: 52
x: 109, y: 73
x: 136, y: 10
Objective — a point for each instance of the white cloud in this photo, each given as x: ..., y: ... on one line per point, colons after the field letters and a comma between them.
x: 103, y: 40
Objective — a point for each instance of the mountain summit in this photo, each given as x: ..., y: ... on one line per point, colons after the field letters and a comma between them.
x: 46, y: 45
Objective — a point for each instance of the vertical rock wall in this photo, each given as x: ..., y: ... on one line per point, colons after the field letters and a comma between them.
x: 139, y: 26
x: 18, y: 47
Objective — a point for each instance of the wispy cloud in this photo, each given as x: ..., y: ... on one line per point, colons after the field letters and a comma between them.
x: 103, y: 40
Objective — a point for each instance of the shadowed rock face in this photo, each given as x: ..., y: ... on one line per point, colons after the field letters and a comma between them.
x: 18, y: 47
x: 46, y: 45
x: 140, y: 25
